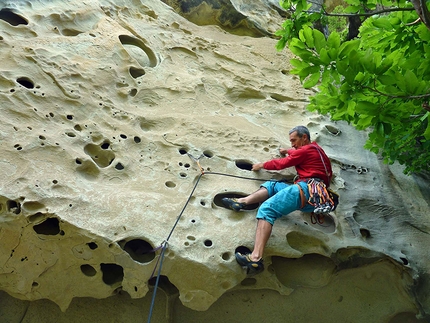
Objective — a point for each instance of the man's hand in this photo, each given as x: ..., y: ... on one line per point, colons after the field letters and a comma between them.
x: 283, y: 151
x: 257, y: 166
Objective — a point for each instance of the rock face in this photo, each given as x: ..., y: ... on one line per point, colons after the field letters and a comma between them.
x: 123, y: 126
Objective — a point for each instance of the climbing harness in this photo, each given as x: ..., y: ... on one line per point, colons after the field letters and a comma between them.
x: 323, y: 199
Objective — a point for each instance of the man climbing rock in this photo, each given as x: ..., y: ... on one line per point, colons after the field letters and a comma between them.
x: 280, y: 198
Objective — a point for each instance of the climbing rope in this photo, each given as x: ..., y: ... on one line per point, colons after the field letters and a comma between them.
x: 165, y: 243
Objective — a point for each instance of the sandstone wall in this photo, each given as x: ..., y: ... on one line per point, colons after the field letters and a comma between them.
x: 106, y: 108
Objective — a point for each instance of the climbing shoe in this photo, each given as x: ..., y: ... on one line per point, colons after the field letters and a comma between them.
x: 252, y: 267
x: 232, y: 204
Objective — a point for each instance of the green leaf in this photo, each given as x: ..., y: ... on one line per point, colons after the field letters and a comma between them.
x: 280, y: 45
x: 359, y: 77
x: 308, y: 70
x: 319, y: 40
x: 384, y: 66
x: 325, y: 59
x: 297, y: 63
x: 367, y: 108
x: 348, y: 47
x: 309, y: 37
x: 342, y: 67
x: 352, y: 9
x: 312, y: 81
x: 333, y: 40
x: 382, y: 23
x: 365, y: 122
x: 411, y: 82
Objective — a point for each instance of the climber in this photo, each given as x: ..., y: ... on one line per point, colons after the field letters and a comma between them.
x: 280, y: 198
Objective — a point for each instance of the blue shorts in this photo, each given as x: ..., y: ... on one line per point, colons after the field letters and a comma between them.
x: 283, y: 199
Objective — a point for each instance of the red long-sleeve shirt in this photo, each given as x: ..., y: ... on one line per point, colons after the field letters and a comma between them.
x: 307, y: 161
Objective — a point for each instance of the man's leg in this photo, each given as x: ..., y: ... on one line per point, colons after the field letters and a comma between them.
x: 238, y: 204
x: 258, y: 196
x: 262, y: 235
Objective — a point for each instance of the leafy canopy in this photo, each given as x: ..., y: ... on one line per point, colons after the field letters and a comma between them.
x: 378, y: 81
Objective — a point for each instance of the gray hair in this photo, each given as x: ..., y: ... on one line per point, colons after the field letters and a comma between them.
x: 301, y: 130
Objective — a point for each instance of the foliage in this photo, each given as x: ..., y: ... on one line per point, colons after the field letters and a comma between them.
x: 338, y: 23
x: 379, y: 81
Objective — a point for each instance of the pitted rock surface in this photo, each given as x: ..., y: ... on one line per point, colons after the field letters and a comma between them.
x: 123, y: 126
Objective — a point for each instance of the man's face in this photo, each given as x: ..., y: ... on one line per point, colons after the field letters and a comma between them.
x: 296, y: 141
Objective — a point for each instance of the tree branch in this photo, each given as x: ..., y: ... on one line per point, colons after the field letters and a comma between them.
x: 368, y: 14
x: 422, y: 96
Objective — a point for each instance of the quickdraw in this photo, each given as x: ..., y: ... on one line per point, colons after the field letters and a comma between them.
x: 319, y: 197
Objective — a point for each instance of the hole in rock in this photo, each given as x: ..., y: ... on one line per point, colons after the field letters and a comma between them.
x: 170, y: 184
x: 134, y: 47
x: 12, y: 18
x: 311, y: 270
x: 89, y: 170
x: 138, y: 249
x: 13, y: 206
x: 187, y: 165
x: 243, y: 164
x: 34, y: 284
x: 183, y: 151
x: 226, y: 256
x: 136, y: 72
x: 69, y: 117
x: 32, y: 206
x: 100, y: 155
x: 218, y: 200
x: 404, y: 260
x: 70, y: 32
x: 242, y: 250
x: 38, y: 217
x: 136, y: 139
x: 208, y: 243
x: 92, y: 245
x: 77, y: 127
x: 208, y: 153
x: 182, y: 174
x: 50, y: 227
x: 112, y: 273
x: 88, y: 270
x: 365, y: 233
x: 332, y: 130
x: 123, y: 136
x: 119, y: 166
x: 133, y: 92
x: 26, y: 82
x: 280, y: 98
x: 202, y: 203
x: 165, y: 285
x: 78, y: 161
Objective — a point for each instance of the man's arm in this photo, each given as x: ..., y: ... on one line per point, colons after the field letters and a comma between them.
x: 257, y: 166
